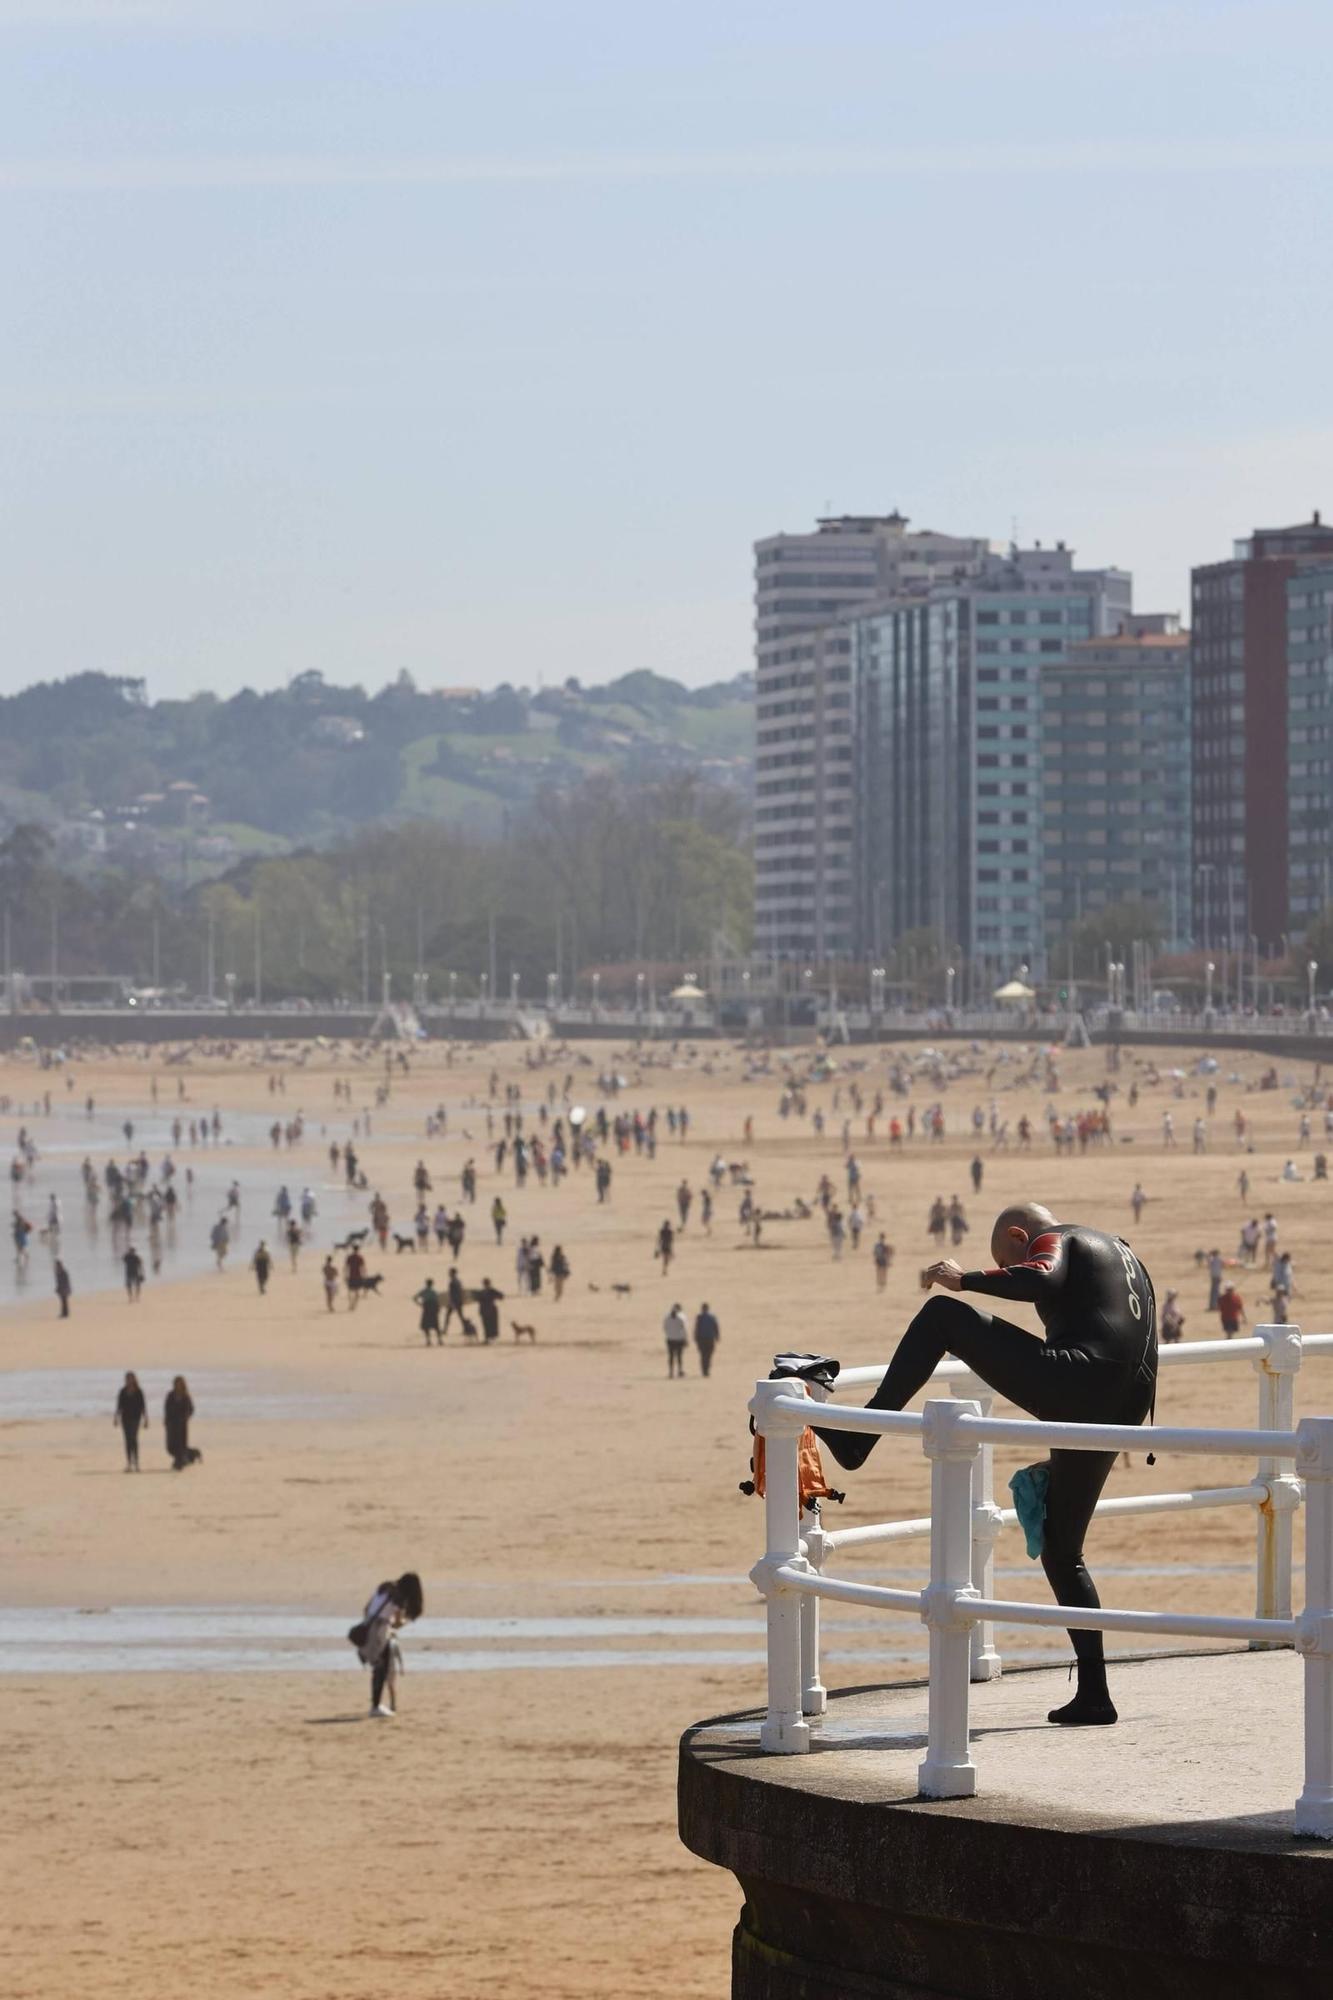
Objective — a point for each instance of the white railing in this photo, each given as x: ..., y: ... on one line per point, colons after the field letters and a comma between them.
x: 958, y: 1605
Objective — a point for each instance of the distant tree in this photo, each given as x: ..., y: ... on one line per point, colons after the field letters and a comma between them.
x: 1119, y: 925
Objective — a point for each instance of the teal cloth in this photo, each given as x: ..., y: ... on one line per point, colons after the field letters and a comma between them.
x: 1028, y: 1487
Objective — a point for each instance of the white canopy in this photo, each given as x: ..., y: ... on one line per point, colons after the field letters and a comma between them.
x: 1015, y: 990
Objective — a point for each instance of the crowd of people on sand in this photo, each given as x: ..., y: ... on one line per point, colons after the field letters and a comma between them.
x: 521, y: 1147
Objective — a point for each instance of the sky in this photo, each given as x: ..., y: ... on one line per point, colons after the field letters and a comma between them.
x: 482, y: 338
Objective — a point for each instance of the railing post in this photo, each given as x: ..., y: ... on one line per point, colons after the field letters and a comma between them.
x: 1277, y: 1368
x: 948, y: 1771
x: 1314, y: 1627
x: 985, y: 1662
x: 814, y: 1695
x: 784, y: 1729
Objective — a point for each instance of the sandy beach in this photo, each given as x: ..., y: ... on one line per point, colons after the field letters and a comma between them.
x: 195, y: 1794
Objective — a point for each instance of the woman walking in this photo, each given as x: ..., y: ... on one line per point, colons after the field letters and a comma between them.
x: 132, y: 1416
x: 176, y: 1413
x: 391, y: 1606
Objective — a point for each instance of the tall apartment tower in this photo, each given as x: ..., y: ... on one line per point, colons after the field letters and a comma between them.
x: 1239, y: 703
x: 948, y: 686
x: 1116, y: 776
x: 806, y: 586
x: 1309, y: 746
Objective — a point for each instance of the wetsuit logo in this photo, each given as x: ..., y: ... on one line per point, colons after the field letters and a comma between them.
x: 1131, y: 1264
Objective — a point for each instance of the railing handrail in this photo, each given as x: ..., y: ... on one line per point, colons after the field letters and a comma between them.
x: 1030, y: 1430
x: 1179, y: 1354
x: 958, y: 1604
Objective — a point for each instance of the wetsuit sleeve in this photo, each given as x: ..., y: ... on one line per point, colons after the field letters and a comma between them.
x: 1035, y: 1281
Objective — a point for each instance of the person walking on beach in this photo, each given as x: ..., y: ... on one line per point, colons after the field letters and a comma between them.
x: 707, y: 1334
x: 673, y: 1326
x: 488, y: 1302
x: 883, y: 1257
x: 559, y: 1272
x: 330, y: 1277
x: 176, y: 1413
x: 499, y: 1219
x: 261, y: 1264
x: 63, y: 1288
x: 354, y: 1271
x: 666, y: 1246
x: 429, y: 1301
x: 132, y: 1417
x: 454, y: 1301
x: 1231, y: 1311
x: 133, y: 1263
x: 219, y: 1237
x: 391, y: 1606
x: 1136, y: 1201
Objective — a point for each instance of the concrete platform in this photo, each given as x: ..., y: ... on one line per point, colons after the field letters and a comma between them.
x: 1155, y: 1858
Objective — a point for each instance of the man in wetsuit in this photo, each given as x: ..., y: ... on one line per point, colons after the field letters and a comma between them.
x: 1097, y: 1365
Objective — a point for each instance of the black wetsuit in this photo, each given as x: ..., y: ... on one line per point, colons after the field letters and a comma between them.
x: 1097, y: 1364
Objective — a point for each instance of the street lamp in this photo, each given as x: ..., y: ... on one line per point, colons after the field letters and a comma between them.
x: 1209, y: 970
x: 1312, y: 968
x: 596, y: 993
x: 453, y: 991
x: 949, y: 977
x: 550, y: 993
x: 877, y: 979
x: 638, y: 996
x: 485, y: 989
x: 513, y: 989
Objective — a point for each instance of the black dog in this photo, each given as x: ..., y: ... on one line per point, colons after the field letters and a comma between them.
x: 402, y: 1243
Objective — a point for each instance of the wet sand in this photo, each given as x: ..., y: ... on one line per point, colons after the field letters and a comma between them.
x: 196, y: 1796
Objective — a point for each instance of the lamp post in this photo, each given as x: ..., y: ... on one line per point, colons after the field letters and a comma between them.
x: 1208, y: 970
x: 550, y: 993
x: 513, y: 989
x: 453, y: 993
x: 596, y: 994
x: 950, y: 974
x: 1312, y: 969
x: 485, y: 989
x: 638, y: 998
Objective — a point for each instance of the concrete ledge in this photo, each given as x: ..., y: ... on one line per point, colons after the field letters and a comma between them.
x: 1153, y: 1859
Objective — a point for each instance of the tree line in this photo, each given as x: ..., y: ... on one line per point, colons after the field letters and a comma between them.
x: 604, y: 875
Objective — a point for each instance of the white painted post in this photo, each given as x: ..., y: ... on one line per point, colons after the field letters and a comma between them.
x: 814, y: 1695
x: 1314, y: 1628
x: 784, y: 1730
x: 985, y: 1662
x: 1277, y: 1368
x: 948, y: 1771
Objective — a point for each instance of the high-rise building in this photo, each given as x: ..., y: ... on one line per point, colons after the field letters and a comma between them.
x: 1115, y: 737
x: 1239, y: 710
x: 948, y: 686
x: 805, y: 588
x: 1309, y: 745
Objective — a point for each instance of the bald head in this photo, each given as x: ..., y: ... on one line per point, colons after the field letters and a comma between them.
x: 1014, y: 1230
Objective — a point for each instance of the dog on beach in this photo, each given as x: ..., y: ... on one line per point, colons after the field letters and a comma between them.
x: 523, y: 1332
x: 402, y: 1243
x: 353, y: 1240
x: 371, y: 1282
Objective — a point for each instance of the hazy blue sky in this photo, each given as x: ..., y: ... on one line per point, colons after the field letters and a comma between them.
x: 482, y: 337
